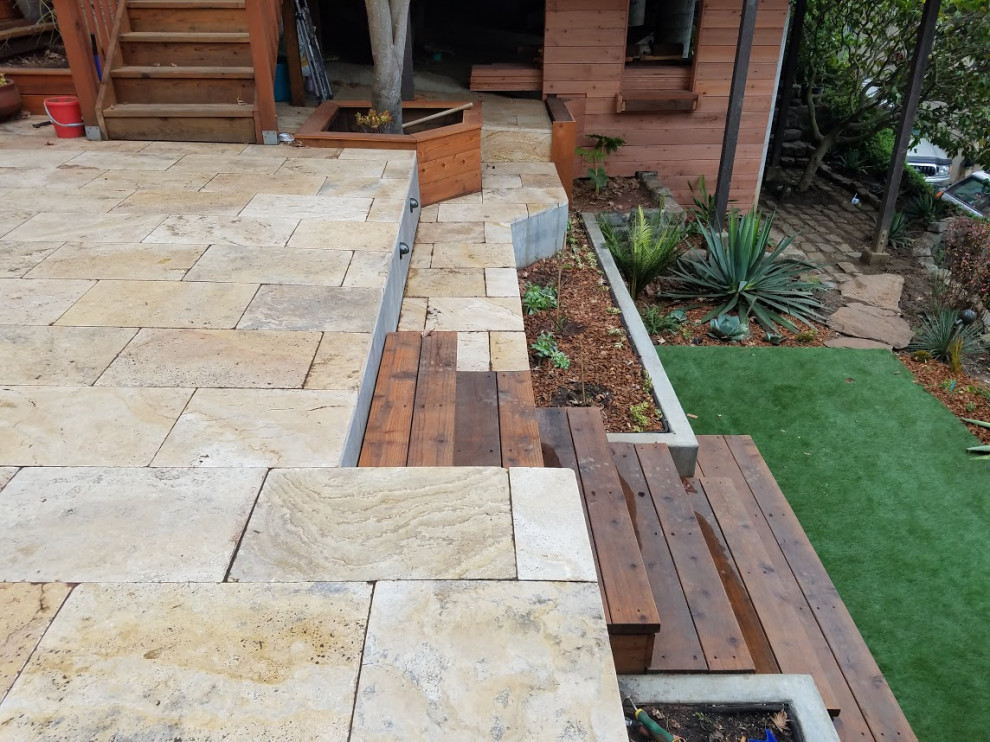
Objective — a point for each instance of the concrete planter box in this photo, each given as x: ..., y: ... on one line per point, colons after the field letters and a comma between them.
x: 448, y: 155
x: 681, y: 439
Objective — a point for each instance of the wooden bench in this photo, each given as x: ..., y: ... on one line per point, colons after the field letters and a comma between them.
x: 506, y: 77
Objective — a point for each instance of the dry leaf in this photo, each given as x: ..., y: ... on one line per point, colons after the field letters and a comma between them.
x: 780, y: 720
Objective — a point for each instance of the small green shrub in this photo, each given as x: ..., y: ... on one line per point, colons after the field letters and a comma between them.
x: 923, y: 207
x: 966, y: 253
x: 808, y: 336
x: 644, y: 247
x: 852, y: 161
x: 596, y: 155
x: 641, y: 421
x: 538, y: 298
x: 945, y: 339
x: 728, y: 328
x: 704, y: 203
x: 897, y: 235
x: 545, y: 347
x: 657, y: 322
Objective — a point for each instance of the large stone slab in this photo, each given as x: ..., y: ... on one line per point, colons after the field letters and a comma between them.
x: 327, y: 308
x: 487, y: 660
x: 28, y: 609
x: 379, y: 524
x: 194, y: 662
x: 872, y: 323
x: 856, y: 343
x: 58, y: 356
x: 881, y: 290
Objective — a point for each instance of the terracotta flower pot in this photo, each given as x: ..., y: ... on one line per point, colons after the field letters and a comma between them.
x: 10, y: 101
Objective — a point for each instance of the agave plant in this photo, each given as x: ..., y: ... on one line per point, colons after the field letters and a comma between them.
x: 743, y: 272
x: 945, y: 338
x: 644, y: 247
x: 982, y: 452
x: 728, y: 327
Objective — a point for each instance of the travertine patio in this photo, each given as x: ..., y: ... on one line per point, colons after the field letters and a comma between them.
x: 185, y: 335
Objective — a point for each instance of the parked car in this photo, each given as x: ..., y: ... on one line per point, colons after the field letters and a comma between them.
x: 971, y: 194
x: 932, y: 162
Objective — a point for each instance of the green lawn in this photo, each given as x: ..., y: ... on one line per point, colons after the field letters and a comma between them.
x: 876, y: 470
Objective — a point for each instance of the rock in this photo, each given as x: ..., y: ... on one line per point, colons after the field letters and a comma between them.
x: 792, y: 135
x: 846, y: 267
x: 926, y: 244
x: 858, y: 343
x: 938, y: 227
x: 694, y: 254
x: 882, y: 290
x: 872, y: 323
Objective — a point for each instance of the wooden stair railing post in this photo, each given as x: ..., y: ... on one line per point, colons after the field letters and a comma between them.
x: 106, y: 96
x: 262, y: 20
x: 79, y: 52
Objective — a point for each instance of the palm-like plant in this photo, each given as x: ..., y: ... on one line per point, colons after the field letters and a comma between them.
x: 644, y: 247
x: 945, y: 338
x: 743, y: 272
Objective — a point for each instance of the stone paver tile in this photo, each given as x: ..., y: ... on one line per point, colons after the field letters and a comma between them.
x: 335, y: 235
x: 135, y: 261
x: 124, y: 160
x: 882, y: 290
x: 487, y: 659
x: 412, y: 315
x: 509, y: 351
x: 38, y: 199
x: 872, y: 323
x: 38, y: 302
x: 58, y: 356
x: 524, y: 195
x: 522, y: 168
x: 467, y: 198
x: 474, y: 314
x: 308, y: 207
x: 496, y: 212
x: 60, y: 179
x: 498, y: 232
x: 85, y: 426
x: 260, y: 427
x: 473, y: 255
x: 291, y: 151
x: 368, y: 270
x: 229, y: 203
x: 377, y: 155
x: 391, y: 188
x: 112, y: 181
x: 95, y: 524
x: 451, y: 232
x: 6, y: 474
x: 539, y: 180
x: 179, y: 149
x: 501, y: 282
x: 539, y: 208
x: 300, y: 185
x: 17, y: 258
x: 550, y: 532
x: 229, y: 263
x: 48, y: 227
x: 197, y: 229
x: 212, y: 163
x: 28, y: 610
x: 428, y: 214
x: 493, y: 180
x: 330, y: 309
x: 429, y: 282
x: 422, y: 255
x: 161, y: 304
x: 473, y: 351
x: 336, y: 168
x: 195, y: 662
x: 214, y: 358
x: 356, y: 524
x: 37, y: 158
x: 340, y: 361
x: 399, y: 169
x: 387, y: 210
x: 856, y: 343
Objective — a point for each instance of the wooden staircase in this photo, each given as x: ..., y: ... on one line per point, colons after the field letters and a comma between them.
x: 191, y: 70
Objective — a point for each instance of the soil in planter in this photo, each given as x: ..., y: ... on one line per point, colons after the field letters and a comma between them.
x: 717, y: 723
x: 619, y: 194
x: 51, y: 58
x: 345, y: 120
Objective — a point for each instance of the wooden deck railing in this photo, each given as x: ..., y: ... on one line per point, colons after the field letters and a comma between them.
x: 83, y: 24
x: 263, y: 26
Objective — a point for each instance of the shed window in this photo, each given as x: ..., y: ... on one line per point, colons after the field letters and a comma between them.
x: 662, y: 31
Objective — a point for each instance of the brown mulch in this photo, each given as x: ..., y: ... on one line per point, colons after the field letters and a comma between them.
x: 716, y: 723
x: 959, y: 392
x: 619, y: 194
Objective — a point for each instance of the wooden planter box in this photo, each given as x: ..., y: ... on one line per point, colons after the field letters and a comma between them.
x: 449, y: 155
x: 37, y: 84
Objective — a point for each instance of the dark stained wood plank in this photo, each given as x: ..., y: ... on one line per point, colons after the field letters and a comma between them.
x: 476, y: 436
x: 386, y: 438
x: 431, y: 439
x: 720, y: 635
x: 676, y: 647
x: 876, y: 700
x: 518, y: 427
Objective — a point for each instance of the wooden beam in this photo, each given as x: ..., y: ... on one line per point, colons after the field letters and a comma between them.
x: 79, y: 52
x: 297, y: 85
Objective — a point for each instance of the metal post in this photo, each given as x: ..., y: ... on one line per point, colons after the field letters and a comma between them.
x: 922, y: 50
x: 737, y: 94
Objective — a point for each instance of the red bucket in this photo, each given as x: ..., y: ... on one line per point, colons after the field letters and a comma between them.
x: 65, y: 115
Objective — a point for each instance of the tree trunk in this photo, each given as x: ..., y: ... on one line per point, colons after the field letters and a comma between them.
x: 823, y: 148
x: 387, y: 25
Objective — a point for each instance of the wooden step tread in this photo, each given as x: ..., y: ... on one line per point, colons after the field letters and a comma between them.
x: 160, y: 37
x: 136, y: 71
x: 187, y: 4
x: 179, y: 110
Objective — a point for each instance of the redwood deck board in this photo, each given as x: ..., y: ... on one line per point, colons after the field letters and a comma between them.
x: 431, y: 439
x: 477, y: 441
x: 386, y: 438
x: 518, y: 427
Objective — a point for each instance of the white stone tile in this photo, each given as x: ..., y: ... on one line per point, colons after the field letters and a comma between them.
x: 17, y: 258
x: 156, y: 201
x: 37, y: 158
x: 88, y: 227
x: 95, y: 524
x: 340, y: 361
x: 58, y: 356
x: 387, y: 210
x: 333, y: 168
x: 467, y: 198
x: 483, y: 660
x: 367, y: 270
x: 472, y: 351
x: 128, y: 181
x: 224, y: 230
x: 510, y: 351
x: 498, y: 232
x: 260, y: 427
x: 6, y: 474
x: 38, y: 302
x: 489, y: 181
x: 501, y: 282
x: 125, y: 261
x: 422, y: 255
x: 474, y: 315
x: 525, y: 195
x: 282, y: 265
x: 377, y: 155
x: 428, y: 214
x: 124, y: 160
x: 293, y: 150
x: 308, y: 207
x: 550, y: 531
x: 195, y: 662
x: 85, y: 426
x: 379, y: 524
x: 27, y: 612
x: 402, y: 169
x: 28, y: 199
x: 334, y: 235
x: 211, y: 163
x: 365, y: 188
x: 496, y: 212
x: 180, y: 149
x: 67, y: 178
x: 323, y: 308
x: 473, y: 255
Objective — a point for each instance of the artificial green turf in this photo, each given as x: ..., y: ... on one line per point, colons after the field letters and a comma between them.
x: 877, y: 472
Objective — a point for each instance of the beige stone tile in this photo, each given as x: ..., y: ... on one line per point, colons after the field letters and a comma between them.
x: 403, y: 169
x: 212, y: 163
x: 340, y: 361
x: 336, y: 235
x: 429, y: 282
x: 95, y: 524
x: 467, y: 198
x: 224, y: 230
x: 387, y: 210
x: 124, y: 160
x: 501, y: 282
x: 324, y: 308
x: 260, y: 427
x: 473, y: 255
x: 112, y: 181
x: 422, y: 255
x: 195, y: 662
x: 28, y: 611
x: 521, y: 168
x: 474, y: 315
x: 214, y: 358
x: 17, y: 258
x: 85, y: 426
x: 333, y: 168
x: 6, y: 474
x: 551, y: 536
x: 498, y: 232
x: 38, y: 302
x: 28, y: 199
x: 34, y: 158
x: 377, y: 155
x: 482, y: 659
x: 161, y: 304
x: 368, y: 270
x: 451, y: 232
x: 67, y: 178
x: 412, y: 315
x: 135, y: 260
x: 180, y: 149
x: 58, y: 356
x: 489, y: 181
x: 365, y: 188
x: 379, y: 524
x: 428, y: 214
x: 296, y: 150
x: 184, y: 202
x: 509, y: 351
x: 228, y: 263
x: 540, y: 180
x: 87, y: 228
x: 301, y: 185
x: 525, y: 195
x: 537, y: 209
x: 513, y: 145
x: 472, y: 351
x: 308, y: 207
